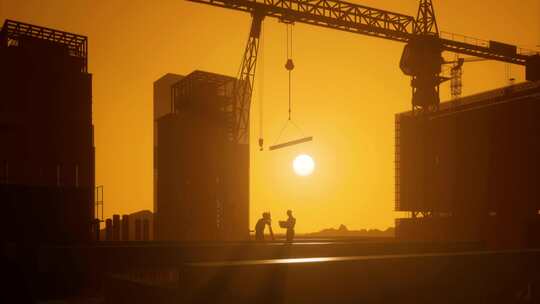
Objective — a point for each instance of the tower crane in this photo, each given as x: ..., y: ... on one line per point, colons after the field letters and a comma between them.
x: 421, y: 58
x: 456, y: 74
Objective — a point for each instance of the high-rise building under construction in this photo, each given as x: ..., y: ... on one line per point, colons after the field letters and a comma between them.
x: 46, y: 134
x: 201, y: 172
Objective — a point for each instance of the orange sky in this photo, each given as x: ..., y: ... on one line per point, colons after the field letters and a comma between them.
x: 347, y: 88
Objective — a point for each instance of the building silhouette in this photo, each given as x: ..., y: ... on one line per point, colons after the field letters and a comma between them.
x: 468, y: 171
x: 202, y: 184
x: 139, y: 227
x: 47, y: 150
x: 162, y: 106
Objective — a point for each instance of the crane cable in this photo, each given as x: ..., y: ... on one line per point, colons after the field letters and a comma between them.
x: 289, y: 66
x: 261, y: 87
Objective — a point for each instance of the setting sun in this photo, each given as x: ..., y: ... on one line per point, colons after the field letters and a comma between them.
x: 303, y: 165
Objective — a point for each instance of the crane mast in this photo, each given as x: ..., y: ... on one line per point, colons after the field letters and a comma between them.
x: 243, y: 87
x: 421, y: 58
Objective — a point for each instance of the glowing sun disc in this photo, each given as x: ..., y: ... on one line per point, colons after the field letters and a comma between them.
x: 303, y: 165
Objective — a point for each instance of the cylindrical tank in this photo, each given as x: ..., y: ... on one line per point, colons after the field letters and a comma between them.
x: 146, y: 230
x: 138, y: 229
x: 125, y: 227
x: 116, y: 227
x: 108, y: 230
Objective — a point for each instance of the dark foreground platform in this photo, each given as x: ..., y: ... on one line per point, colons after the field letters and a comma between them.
x: 315, y: 270
x: 465, y: 277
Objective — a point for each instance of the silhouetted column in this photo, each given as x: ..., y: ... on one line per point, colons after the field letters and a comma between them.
x: 108, y: 230
x: 116, y: 227
x: 125, y: 227
x: 97, y: 228
x: 146, y: 230
x: 138, y: 229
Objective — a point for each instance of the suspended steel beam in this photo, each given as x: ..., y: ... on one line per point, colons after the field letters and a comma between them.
x: 291, y: 143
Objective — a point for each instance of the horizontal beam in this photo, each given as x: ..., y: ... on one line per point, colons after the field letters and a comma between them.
x: 291, y: 143
x: 482, y: 51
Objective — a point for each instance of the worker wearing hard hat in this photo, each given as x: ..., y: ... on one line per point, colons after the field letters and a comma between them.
x: 266, y: 220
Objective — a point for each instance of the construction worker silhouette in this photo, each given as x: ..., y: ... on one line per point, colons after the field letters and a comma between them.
x: 289, y: 225
x: 266, y: 220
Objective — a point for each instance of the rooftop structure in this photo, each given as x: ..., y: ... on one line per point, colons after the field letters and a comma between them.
x: 13, y: 33
x: 468, y: 171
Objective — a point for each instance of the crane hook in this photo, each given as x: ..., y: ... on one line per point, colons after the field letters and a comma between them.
x: 289, y: 65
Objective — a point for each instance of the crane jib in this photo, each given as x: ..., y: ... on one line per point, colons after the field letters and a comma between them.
x: 350, y: 17
x: 329, y: 13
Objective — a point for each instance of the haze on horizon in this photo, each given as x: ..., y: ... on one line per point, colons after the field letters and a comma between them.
x: 346, y: 90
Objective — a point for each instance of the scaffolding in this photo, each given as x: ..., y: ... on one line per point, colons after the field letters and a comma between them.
x: 223, y: 106
x: 99, y: 204
x: 12, y: 32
